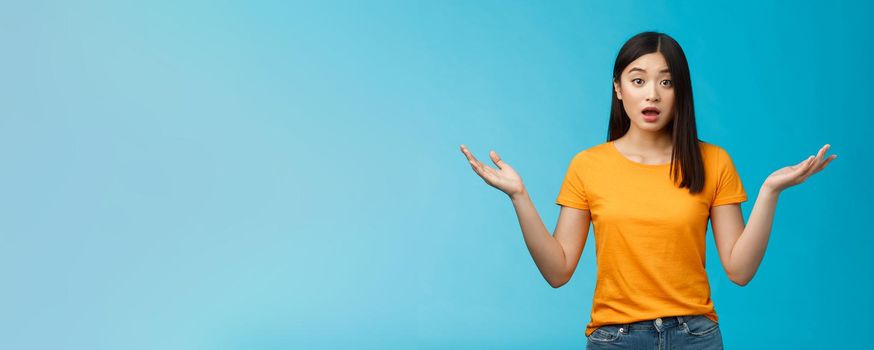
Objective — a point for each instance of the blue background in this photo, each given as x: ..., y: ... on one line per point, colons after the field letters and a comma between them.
x: 240, y: 175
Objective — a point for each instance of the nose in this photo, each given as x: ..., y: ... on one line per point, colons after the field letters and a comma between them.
x: 653, y: 93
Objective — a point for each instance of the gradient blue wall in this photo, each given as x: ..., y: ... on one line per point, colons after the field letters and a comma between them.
x: 269, y: 175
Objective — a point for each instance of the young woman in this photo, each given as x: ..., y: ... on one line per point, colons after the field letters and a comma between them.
x: 649, y: 191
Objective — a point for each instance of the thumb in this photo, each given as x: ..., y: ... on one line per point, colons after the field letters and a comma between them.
x: 497, y: 160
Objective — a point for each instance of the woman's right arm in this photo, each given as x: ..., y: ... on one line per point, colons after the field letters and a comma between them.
x: 555, y: 256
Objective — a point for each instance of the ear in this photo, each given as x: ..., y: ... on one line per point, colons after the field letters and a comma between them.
x: 617, y: 89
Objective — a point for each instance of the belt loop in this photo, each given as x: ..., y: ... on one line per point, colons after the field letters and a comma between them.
x: 680, y: 320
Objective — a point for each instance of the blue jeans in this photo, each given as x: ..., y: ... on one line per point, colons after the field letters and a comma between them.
x: 666, y: 333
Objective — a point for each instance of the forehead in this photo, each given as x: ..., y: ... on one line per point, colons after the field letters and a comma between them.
x: 652, y: 63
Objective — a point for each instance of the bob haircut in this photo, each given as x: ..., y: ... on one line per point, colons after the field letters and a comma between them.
x: 686, y: 157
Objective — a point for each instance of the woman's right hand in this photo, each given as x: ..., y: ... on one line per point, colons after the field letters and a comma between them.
x: 504, y: 178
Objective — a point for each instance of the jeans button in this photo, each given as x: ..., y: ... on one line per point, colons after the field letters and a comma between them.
x: 658, y: 322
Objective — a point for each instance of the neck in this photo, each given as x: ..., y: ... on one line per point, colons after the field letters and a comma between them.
x: 647, y: 141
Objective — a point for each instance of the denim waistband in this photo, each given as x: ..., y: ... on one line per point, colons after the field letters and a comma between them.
x: 658, y: 323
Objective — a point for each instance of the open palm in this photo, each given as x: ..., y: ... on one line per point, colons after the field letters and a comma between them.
x: 796, y: 174
x: 504, y: 178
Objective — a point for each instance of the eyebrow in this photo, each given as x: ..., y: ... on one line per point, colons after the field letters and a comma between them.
x: 666, y: 70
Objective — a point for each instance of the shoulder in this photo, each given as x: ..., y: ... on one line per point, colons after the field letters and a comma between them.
x: 595, y: 151
x: 708, y: 147
x: 716, y: 156
x: 712, y: 150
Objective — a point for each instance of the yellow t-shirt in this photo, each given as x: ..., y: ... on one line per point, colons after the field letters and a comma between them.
x: 649, y: 234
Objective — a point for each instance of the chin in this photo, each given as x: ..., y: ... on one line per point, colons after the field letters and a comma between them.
x: 647, y: 125
x: 644, y: 125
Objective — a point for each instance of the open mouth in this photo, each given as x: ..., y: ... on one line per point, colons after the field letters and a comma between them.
x: 651, y: 114
x: 651, y: 111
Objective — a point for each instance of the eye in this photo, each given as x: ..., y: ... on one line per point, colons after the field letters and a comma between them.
x: 635, y: 79
x: 670, y: 83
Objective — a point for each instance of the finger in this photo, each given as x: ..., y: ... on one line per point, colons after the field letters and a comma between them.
x: 478, y: 170
x: 476, y: 165
x: 800, y: 174
x: 488, y: 174
x: 485, y: 168
x: 497, y: 159
x: 814, y: 167
x: 825, y: 162
x: 821, y: 153
x: 820, y: 157
x: 801, y: 164
x: 809, y: 167
x: 476, y: 162
x: 475, y: 168
x: 801, y: 167
x: 491, y: 171
x: 467, y: 153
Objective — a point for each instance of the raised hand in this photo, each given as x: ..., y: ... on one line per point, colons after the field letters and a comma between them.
x: 504, y: 178
x: 796, y: 174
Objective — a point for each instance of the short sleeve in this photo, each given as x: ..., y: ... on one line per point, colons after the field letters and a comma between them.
x: 729, y: 188
x: 572, y: 192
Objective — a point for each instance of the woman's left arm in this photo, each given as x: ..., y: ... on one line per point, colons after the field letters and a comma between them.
x: 741, y: 247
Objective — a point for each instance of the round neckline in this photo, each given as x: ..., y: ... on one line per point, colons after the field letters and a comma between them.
x: 616, y: 150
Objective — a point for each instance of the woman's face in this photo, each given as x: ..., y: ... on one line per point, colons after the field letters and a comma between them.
x: 645, y: 83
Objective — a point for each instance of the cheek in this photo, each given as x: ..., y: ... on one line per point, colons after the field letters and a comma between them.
x: 630, y: 100
x: 670, y: 96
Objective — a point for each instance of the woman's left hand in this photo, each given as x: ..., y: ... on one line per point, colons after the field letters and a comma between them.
x: 795, y: 174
